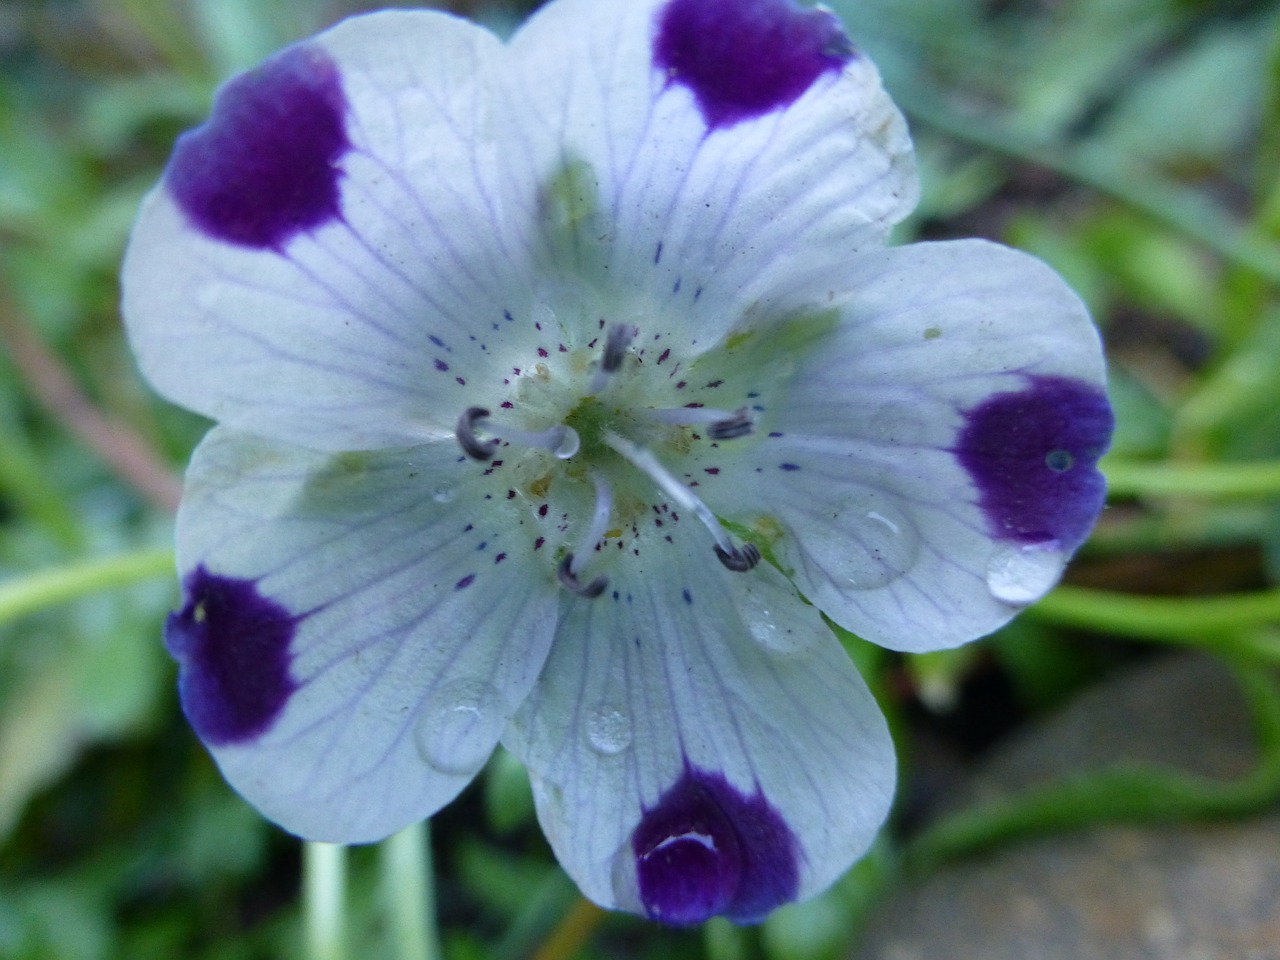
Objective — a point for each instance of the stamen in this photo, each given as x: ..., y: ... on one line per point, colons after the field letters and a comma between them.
x: 721, y: 425
x: 615, y: 348
x: 731, y: 555
x: 471, y: 445
x: 561, y: 440
x: 599, y: 521
x: 740, y: 560
x: 615, y: 351
x: 570, y: 572
x: 569, y: 580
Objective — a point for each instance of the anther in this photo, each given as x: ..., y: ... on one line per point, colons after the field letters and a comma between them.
x: 569, y: 580
x: 615, y: 351
x: 615, y: 347
x: 720, y: 424
x: 473, y: 446
x: 739, y: 559
x: 739, y: 425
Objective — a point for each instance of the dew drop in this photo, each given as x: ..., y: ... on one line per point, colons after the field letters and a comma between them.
x: 887, y: 545
x: 1023, y: 574
x: 443, y: 494
x: 608, y: 730
x: 781, y: 639
x: 1059, y: 461
x: 460, y: 727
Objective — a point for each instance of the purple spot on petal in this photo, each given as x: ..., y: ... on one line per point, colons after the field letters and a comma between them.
x: 745, y: 58
x: 232, y: 648
x: 263, y: 168
x: 789, y: 467
x: 1033, y: 455
x: 705, y: 849
x: 465, y: 582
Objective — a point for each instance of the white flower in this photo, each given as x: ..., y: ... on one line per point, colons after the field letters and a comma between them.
x: 521, y: 357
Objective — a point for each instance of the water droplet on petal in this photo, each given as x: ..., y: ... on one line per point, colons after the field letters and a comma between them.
x: 778, y: 638
x: 887, y: 545
x: 608, y: 730
x: 460, y: 727
x: 1023, y: 574
x: 443, y: 494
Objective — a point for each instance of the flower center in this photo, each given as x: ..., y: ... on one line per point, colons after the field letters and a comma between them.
x: 607, y: 434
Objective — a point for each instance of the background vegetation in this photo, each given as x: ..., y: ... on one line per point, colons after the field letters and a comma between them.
x: 1134, y: 144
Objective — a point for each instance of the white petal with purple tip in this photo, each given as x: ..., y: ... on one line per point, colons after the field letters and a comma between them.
x: 358, y: 628
x: 362, y: 301
x: 685, y: 684
x: 929, y: 468
x: 690, y: 178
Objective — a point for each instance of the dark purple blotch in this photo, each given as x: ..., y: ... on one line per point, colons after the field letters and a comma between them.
x: 707, y: 850
x: 744, y: 58
x: 264, y: 167
x: 232, y: 648
x: 1033, y: 455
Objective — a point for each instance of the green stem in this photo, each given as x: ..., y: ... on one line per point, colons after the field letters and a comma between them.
x: 1130, y: 793
x: 324, y: 880
x: 408, y: 893
x: 1217, y: 480
x: 1207, y: 621
x: 35, y: 591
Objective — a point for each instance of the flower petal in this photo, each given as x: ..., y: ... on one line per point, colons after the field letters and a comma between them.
x: 328, y: 260
x: 351, y: 644
x: 931, y: 463
x: 687, y: 148
x: 699, y: 743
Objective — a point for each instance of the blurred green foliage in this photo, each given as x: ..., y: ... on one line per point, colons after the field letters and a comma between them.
x: 1133, y: 144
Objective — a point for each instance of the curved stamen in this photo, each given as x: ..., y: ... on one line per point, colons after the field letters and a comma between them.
x: 731, y: 555
x: 615, y: 351
x: 569, y: 580
x: 561, y: 440
x: 599, y: 521
x: 731, y: 428
x: 740, y: 560
x: 721, y: 424
x: 473, y: 446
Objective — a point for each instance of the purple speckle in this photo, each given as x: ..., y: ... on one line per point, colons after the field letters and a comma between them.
x: 1033, y: 455
x: 688, y: 597
x: 745, y: 58
x: 789, y: 467
x: 232, y: 648
x: 705, y: 849
x: 263, y: 168
x: 465, y: 582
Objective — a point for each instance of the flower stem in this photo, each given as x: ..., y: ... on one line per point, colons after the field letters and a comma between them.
x: 35, y: 591
x: 573, y: 932
x: 1131, y: 793
x: 324, y: 879
x: 408, y: 892
x: 1217, y: 480
x: 1213, y: 622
